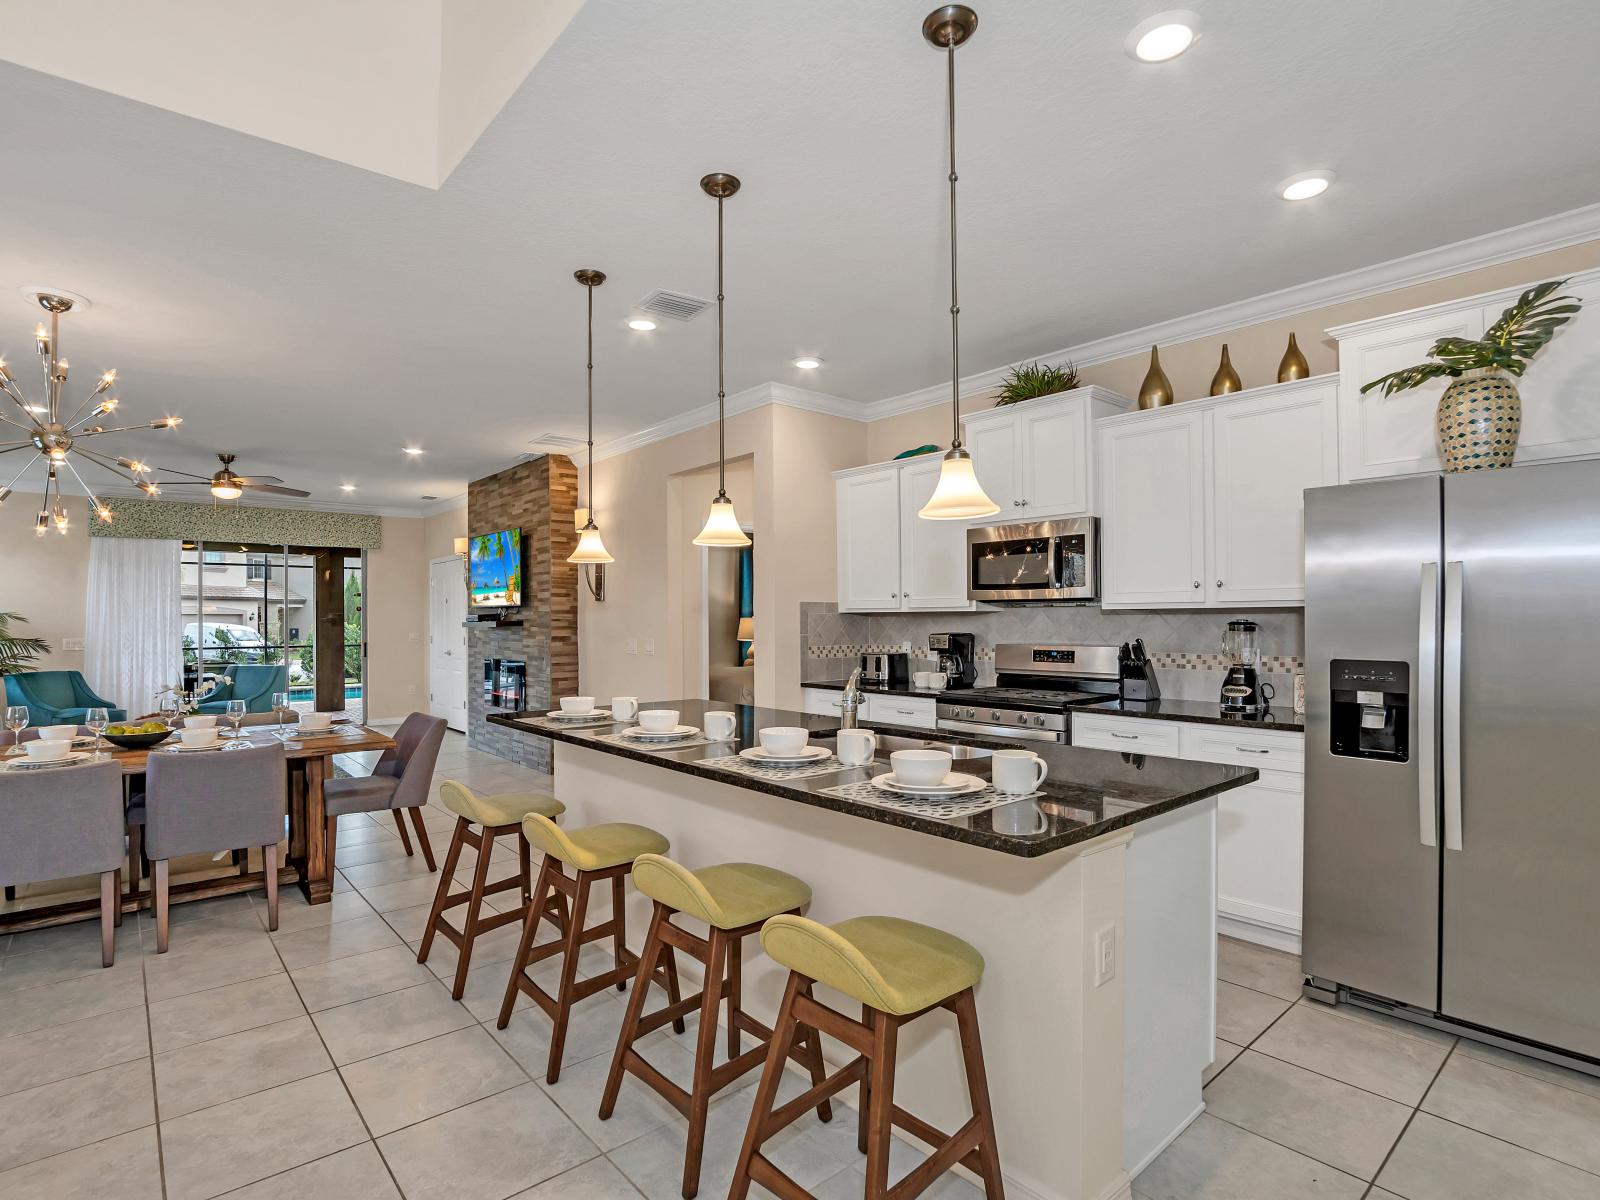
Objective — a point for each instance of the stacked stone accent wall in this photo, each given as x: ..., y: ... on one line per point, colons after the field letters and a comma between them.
x: 538, y: 496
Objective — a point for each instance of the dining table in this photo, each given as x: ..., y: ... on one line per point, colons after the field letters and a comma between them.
x: 310, y: 756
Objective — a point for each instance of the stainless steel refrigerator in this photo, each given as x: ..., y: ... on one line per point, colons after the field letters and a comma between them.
x: 1452, y: 832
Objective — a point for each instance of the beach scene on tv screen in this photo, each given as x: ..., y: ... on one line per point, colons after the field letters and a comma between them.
x: 496, y: 569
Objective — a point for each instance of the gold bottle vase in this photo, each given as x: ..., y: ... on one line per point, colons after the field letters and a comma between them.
x: 1293, y: 365
x: 1226, y: 379
x: 1156, y: 390
x: 1479, y: 422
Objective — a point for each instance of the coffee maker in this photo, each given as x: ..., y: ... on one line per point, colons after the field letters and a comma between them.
x: 958, y: 658
x: 1244, y: 692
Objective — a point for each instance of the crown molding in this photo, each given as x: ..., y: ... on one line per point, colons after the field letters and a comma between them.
x: 1491, y: 249
x: 748, y: 400
x: 1505, y: 295
x: 438, y: 507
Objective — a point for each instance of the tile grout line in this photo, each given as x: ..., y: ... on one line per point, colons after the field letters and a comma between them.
x: 1449, y: 1054
x: 155, y: 1092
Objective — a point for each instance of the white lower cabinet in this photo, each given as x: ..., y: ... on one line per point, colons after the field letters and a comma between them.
x: 821, y: 702
x: 918, y: 712
x: 1260, y: 827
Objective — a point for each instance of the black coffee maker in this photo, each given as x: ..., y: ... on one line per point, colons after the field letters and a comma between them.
x: 958, y: 657
x: 1244, y: 692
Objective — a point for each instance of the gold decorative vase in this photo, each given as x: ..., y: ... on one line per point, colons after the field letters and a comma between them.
x: 1226, y: 379
x: 1293, y: 364
x: 1156, y: 390
x: 1479, y: 422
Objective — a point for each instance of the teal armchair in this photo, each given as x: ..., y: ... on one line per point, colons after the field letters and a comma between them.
x: 57, y: 698
x: 252, y: 684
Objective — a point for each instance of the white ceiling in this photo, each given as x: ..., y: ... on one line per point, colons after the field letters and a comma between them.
x: 313, y: 317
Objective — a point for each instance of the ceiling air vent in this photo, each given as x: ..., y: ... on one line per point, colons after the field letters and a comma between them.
x: 675, y: 306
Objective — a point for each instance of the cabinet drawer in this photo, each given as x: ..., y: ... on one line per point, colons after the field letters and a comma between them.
x: 822, y: 702
x: 1125, y: 733
x: 1245, y: 747
x: 917, y: 711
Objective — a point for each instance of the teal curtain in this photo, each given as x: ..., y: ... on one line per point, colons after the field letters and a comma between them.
x: 747, y: 591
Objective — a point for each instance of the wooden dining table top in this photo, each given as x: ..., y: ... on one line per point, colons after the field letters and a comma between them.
x: 339, y: 739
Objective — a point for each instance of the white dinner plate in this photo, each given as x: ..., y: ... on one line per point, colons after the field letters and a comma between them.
x: 180, y: 748
x: 594, y: 714
x: 29, y: 764
x: 758, y: 754
x: 675, y: 734
x: 955, y: 784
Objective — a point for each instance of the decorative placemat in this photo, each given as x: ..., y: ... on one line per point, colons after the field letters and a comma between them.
x: 743, y: 766
x: 553, y: 723
x: 926, y: 806
x: 622, y: 739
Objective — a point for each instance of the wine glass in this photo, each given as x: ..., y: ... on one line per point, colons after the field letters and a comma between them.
x: 169, y: 708
x: 16, y: 721
x: 97, y: 719
x: 236, y: 715
x: 280, y: 706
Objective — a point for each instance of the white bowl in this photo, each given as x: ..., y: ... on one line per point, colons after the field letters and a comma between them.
x: 315, y: 720
x: 577, y: 704
x: 658, y: 720
x: 56, y: 733
x: 920, y: 768
x: 47, y: 749
x: 784, y: 739
x: 206, y: 722
x: 202, y: 736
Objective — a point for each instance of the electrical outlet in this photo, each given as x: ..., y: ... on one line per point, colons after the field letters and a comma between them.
x: 411, y: 690
x: 1105, y: 956
x: 632, y: 646
x: 649, y: 645
x: 72, y: 644
x: 415, y: 637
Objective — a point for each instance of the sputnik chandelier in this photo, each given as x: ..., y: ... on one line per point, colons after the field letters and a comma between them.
x: 57, y: 435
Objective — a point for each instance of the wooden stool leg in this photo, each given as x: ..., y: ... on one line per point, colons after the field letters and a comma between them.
x: 110, y: 902
x: 619, y: 933
x: 400, y: 824
x: 767, y: 1090
x: 569, y: 977
x: 670, y: 962
x: 530, y: 932
x: 469, y: 928
x: 735, y: 995
x: 422, y: 838
x: 269, y: 867
x: 653, y: 946
x: 446, y: 879
x: 880, y: 1117
x: 705, y: 1054
x: 158, y: 886
x: 524, y: 866
x: 966, y: 1010
x: 864, y: 1101
x: 812, y: 1050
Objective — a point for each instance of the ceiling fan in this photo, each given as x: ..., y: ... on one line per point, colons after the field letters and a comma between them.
x: 225, y: 485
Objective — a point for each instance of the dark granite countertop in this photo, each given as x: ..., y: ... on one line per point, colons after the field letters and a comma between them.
x: 876, y: 689
x: 1088, y: 792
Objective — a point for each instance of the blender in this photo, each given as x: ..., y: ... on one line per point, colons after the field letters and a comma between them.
x: 1244, y: 692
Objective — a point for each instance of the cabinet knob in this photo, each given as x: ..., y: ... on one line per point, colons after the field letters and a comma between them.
x: 1219, y: 583
x: 1197, y: 583
x: 1018, y: 503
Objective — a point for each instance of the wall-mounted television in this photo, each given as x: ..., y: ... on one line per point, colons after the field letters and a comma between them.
x: 495, y: 569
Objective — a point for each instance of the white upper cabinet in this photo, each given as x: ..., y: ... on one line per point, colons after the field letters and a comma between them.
x: 1202, y: 504
x: 933, y: 554
x: 1036, y: 459
x: 1394, y: 435
x: 890, y: 559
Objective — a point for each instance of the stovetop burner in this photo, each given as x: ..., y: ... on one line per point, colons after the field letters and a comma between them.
x: 1035, y: 699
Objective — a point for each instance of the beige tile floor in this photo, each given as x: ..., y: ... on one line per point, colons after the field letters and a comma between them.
x: 324, y: 1061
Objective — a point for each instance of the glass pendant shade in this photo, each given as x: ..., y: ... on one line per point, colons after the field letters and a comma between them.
x: 959, y: 496
x: 590, y: 548
x: 722, y: 526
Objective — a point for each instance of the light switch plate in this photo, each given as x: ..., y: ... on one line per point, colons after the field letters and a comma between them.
x: 1105, y: 956
x: 71, y: 644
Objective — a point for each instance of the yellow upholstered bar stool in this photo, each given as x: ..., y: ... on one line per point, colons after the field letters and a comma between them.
x: 899, y: 971
x: 595, y: 854
x: 479, y: 821
x: 734, y: 899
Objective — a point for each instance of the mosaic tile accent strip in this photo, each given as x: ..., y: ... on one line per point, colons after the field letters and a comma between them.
x: 1179, y: 660
x: 857, y: 649
x: 733, y: 764
x: 942, y: 810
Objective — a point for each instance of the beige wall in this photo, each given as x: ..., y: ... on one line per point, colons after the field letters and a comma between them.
x: 439, y: 534
x: 397, y: 621
x: 45, y: 579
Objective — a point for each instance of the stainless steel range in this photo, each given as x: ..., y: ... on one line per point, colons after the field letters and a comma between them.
x: 1036, y: 687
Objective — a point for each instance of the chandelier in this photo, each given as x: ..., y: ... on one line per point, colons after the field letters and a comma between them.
x: 57, y: 435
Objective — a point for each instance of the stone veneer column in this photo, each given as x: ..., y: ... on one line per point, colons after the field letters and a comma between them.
x: 538, y: 497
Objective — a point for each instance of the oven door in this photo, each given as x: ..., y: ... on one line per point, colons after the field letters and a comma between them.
x: 1037, y: 562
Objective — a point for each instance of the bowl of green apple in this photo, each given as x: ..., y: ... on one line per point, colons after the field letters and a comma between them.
x: 137, y: 735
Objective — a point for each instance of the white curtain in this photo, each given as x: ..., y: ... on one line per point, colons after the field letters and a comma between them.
x: 133, y: 625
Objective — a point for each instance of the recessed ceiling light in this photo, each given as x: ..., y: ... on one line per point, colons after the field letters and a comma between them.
x: 642, y: 324
x: 1163, y: 37
x: 412, y: 449
x: 347, y: 487
x: 808, y: 362
x: 1305, y: 185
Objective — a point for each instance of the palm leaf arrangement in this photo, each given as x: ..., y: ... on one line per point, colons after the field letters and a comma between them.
x: 1032, y: 380
x: 17, y: 654
x: 1508, y: 345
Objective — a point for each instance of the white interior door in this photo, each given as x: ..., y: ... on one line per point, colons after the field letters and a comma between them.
x: 447, y: 642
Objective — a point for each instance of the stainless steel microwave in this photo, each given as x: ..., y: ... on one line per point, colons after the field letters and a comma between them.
x: 1039, y: 562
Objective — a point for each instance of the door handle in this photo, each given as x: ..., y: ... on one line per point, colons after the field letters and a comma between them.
x: 1427, y: 675
x: 1450, y: 758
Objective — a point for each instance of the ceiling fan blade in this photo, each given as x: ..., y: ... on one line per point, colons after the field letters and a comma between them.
x: 273, y: 489
x: 190, y: 474
x: 166, y: 483
x: 249, y: 479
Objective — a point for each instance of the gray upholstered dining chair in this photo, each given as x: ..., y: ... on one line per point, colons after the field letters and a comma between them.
x: 202, y: 803
x: 401, y: 780
x: 59, y: 822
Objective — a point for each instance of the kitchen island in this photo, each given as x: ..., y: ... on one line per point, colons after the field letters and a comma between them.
x: 1093, y: 904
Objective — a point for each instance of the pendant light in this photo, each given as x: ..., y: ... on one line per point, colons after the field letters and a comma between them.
x: 959, y: 496
x: 722, y: 526
x: 590, y: 548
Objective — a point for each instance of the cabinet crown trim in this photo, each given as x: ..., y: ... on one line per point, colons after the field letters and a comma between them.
x: 1502, y: 296
x: 1313, y: 383
x: 1090, y: 392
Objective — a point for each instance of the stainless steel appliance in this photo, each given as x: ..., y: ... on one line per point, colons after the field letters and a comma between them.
x: 1244, y: 692
x: 957, y: 654
x: 1452, y: 833
x: 1040, y: 562
x: 886, y: 670
x: 1037, y: 685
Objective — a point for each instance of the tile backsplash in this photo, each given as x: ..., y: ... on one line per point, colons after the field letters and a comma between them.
x: 1185, y: 646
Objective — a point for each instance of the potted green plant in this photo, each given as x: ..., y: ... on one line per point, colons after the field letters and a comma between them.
x: 1032, y: 380
x: 18, y: 654
x: 1480, y: 414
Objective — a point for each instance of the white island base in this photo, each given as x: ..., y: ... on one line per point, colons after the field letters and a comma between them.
x: 1092, y: 1069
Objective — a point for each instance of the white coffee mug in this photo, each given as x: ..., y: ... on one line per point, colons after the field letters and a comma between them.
x: 720, y: 724
x: 1017, y: 772
x: 624, y: 707
x: 856, y: 746
x: 919, y: 679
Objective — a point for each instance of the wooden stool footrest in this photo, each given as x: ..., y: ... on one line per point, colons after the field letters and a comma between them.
x: 961, y: 1147
x: 775, y: 1181
x: 782, y: 1118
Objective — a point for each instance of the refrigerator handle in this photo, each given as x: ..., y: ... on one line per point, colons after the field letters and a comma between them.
x: 1450, y: 757
x: 1427, y: 677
